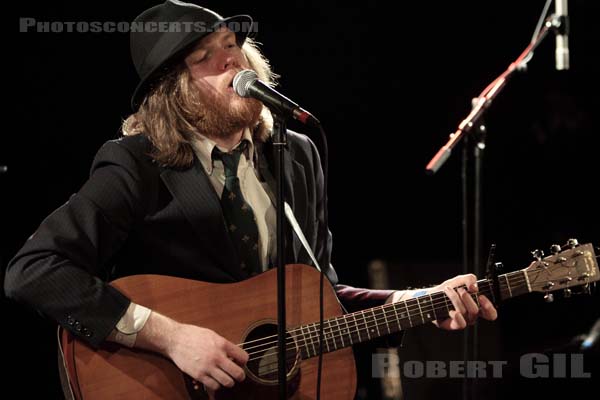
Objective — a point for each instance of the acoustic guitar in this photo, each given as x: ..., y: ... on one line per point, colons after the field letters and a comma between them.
x: 245, y: 313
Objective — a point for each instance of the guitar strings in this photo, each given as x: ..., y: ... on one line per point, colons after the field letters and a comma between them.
x: 431, y: 305
x: 481, y: 283
x: 301, y: 328
x: 504, y: 292
x: 333, y: 330
x: 267, y: 367
x: 413, y: 308
x: 363, y: 325
x: 269, y: 364
x: 516, y: 284
x: 312, y: 334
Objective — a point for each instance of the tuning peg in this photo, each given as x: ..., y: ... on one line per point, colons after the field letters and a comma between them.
x: 549, y: 297
x: 568, y: 292
x: 572, y: 243
x: 555, y: 249
x: 587, y: 289
x: 537, y: 254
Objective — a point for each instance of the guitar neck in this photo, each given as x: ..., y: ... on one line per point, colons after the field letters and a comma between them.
x: 372, y: 323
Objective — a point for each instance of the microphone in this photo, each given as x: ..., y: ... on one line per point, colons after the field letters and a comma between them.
x: 562, y: 36
x: 247, y: 84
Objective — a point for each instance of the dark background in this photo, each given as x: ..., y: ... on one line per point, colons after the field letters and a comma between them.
x: 389, y: 81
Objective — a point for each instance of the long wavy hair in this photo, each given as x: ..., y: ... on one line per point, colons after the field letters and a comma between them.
x: 166, y: 113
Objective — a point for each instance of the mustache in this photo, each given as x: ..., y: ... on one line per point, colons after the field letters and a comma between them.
x: 220, y: 115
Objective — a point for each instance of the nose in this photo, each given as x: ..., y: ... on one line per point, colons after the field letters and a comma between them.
x: 228, y: 61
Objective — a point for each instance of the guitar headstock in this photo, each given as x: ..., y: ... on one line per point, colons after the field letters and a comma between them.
x: 569, y: 266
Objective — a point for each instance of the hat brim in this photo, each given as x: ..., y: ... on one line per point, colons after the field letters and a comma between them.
x: 152, y: 77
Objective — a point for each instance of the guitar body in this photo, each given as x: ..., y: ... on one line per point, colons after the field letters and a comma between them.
x: 245, y: 313
x: 241, y: 312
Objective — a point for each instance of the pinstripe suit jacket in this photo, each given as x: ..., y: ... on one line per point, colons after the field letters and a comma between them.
x: 133, y: 216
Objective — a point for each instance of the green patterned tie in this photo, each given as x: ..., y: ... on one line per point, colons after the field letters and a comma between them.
x: 239, y: 217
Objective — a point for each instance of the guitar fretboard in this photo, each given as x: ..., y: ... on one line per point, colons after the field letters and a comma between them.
x: 372, y: 323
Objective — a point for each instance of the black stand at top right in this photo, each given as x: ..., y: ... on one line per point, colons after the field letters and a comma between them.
x: 473, y: 130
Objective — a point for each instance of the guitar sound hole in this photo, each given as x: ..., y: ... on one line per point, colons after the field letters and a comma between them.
x: 261, y: 345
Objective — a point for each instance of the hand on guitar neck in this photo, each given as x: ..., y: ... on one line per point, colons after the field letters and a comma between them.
x: 466, y: 310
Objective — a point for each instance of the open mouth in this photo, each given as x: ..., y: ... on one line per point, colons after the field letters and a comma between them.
x: 230, y: 85
x: 230, y: 82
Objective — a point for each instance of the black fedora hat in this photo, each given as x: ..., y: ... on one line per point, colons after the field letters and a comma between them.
x: 162, y: 34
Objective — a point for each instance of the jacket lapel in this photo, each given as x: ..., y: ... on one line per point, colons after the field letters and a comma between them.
x: 201, y: 206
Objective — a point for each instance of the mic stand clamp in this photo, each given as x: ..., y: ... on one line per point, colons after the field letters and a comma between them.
x: 558, y: 23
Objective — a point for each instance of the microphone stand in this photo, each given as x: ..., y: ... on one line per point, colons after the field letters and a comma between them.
x: 473, y: 122
x: 280, y: 142
x: 470, y: 343
x: 486, y: 97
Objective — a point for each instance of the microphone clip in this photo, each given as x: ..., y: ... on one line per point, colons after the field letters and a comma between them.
x: 559, y: 24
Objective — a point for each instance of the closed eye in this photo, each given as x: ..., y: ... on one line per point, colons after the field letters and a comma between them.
x: 200, y: 58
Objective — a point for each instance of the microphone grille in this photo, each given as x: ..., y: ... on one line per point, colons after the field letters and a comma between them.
x: 243, y: 80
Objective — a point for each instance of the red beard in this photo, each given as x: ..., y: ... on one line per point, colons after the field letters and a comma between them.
x: 221, y: 115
